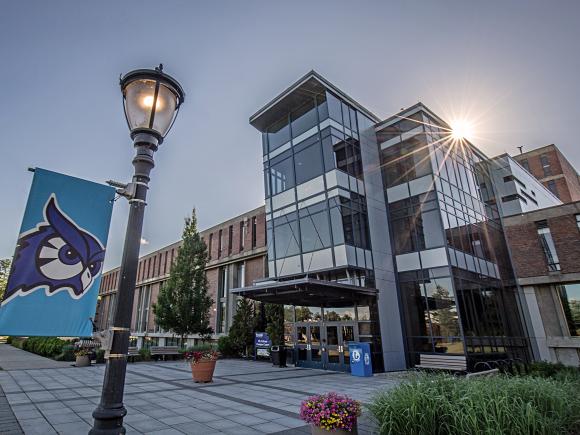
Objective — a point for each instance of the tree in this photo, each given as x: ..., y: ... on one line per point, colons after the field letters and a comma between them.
x: 244, y: 324
x: 275, y: 323
x: 183, y: 304
x: 4, y: 272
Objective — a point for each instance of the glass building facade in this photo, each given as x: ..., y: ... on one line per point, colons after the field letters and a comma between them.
x: 395, y: 207
x: 454, y: 271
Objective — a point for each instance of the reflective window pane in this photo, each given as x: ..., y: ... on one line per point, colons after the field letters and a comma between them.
x: 332, y: 335
x: 315, y: 232
x: 308, y: 314
x: 308, y: 164
x: 337, y: 314
x: 281, y: 176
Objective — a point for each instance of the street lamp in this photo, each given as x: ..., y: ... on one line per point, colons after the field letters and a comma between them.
x: 151, y: 99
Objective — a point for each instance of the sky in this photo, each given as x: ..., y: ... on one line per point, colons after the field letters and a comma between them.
x: 508, y: 67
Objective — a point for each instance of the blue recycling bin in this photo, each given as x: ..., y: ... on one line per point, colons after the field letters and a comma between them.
x: 360, y: 359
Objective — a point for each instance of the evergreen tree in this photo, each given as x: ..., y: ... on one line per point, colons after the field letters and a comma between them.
x: 275, y: 323
x: 244, y: 324
x: 183, y: 304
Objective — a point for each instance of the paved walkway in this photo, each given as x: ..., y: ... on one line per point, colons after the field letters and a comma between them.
x: 12, y: 358
x: 246, y: 397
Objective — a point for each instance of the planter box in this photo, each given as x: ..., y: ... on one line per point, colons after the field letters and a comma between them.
x: 202, y: 371
x: 83, y: 361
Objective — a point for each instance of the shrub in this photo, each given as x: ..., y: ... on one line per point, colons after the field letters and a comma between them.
x: 9, y: 340
x: 546, y: 369
x: 226, y: 347
x: 100, y: 356
x: 145, y: 354
x: 45, y: 346
x: 67, y: 353
x: 444, y: 404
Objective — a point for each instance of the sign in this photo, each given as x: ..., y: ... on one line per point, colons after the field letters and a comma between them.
x: 262, y: 344
x: 261, y: 339
x: 56, y: 271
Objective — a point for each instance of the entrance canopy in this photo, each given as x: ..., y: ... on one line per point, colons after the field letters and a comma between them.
x: 307, y: 292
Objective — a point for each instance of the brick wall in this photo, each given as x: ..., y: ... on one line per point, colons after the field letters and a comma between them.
x: 527, y: 253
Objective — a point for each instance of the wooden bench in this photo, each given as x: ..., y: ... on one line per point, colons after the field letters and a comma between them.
x: 164, y: 351
x: 455, y: 363
x: 132, y: 353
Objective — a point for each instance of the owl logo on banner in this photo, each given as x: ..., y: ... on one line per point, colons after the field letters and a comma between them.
x: 65, y: 257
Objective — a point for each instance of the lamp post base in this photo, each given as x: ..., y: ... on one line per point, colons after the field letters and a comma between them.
x: 108, y: 421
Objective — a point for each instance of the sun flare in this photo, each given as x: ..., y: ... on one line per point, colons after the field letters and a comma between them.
x: 461, y: 129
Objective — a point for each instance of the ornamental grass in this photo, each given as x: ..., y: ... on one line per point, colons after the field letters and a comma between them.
x: 444, y: 404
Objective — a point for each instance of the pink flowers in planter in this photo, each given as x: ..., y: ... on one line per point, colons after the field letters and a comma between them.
x: 200, y: 356
x: 330, y: 411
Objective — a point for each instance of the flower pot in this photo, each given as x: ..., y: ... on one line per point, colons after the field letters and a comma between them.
x: 202, y: 371
x: 82, y: 361
x: 320, y: 431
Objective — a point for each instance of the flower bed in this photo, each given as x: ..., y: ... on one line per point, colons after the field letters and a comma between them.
x: 330, y: 411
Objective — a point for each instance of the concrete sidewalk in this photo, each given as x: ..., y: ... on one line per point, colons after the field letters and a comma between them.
x: 245, y: 398
x: 12, y: 358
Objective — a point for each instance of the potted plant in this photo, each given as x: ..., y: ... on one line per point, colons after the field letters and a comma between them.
x: 202, y: 364
x: 82, y: 355
x: 331, y: 412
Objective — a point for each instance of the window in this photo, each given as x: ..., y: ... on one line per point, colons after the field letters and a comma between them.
x: 570, y: 298
x: 407, y: 161
x: 220, y: 243
x: 282, y: 176
x: 525, y: 164
x: 578, y: 221
x: 278, y: 134
x: 315, y: 231
x: 111, y: 309
x: 208, y: 248
x: 286, y: 239
x: 242, y: 235
x: 308, y: 163
x: 230, y: 239
x: 545, y: 161
x: 552, y: 187
x: 223, y: 282
x: 548, y: 246
x: 304, y: 119
x: 143, y: 305
x: 254, y: 232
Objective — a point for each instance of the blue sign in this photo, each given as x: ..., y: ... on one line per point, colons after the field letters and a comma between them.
x: 360, y: 359
x: 54, y: 280
x: 261, y: 339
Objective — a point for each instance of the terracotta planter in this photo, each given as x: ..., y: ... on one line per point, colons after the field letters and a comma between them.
x: 202, y: 371
x: 319, y: 431
x: 83, y: 361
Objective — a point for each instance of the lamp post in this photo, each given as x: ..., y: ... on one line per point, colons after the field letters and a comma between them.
x: 151, y: 100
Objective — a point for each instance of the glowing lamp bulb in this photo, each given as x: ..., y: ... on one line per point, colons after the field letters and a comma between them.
x: 148, y: 101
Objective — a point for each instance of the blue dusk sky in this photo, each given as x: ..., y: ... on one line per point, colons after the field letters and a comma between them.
x: 509, y: 67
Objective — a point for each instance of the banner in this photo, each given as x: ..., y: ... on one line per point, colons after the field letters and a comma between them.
x: 56, y: 270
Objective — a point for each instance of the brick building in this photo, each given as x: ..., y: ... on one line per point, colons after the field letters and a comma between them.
x: 545, y: 249
x: 237, y: 252
x: 549, y: 165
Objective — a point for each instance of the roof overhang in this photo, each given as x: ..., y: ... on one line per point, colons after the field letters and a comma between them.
x: 307, y: 292
x: 297, y: 95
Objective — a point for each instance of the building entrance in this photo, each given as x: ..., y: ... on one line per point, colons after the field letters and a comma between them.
x: 324, y: 345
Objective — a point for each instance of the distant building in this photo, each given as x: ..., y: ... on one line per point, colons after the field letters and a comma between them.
x: 545, y: 250
x: 517, y: 190
x: 237, y: 255
x: 549, y: 165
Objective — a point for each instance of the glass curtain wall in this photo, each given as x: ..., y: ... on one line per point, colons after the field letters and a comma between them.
x: 300, y: 151
x: 464, y: 307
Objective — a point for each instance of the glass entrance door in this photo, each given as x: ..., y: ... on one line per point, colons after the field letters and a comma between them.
x: 308, y: 345
x: 324, y: 345
x: 335, y: 345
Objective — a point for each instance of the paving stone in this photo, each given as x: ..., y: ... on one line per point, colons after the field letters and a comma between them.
x: 222, y: 424
x: 269, y: 427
